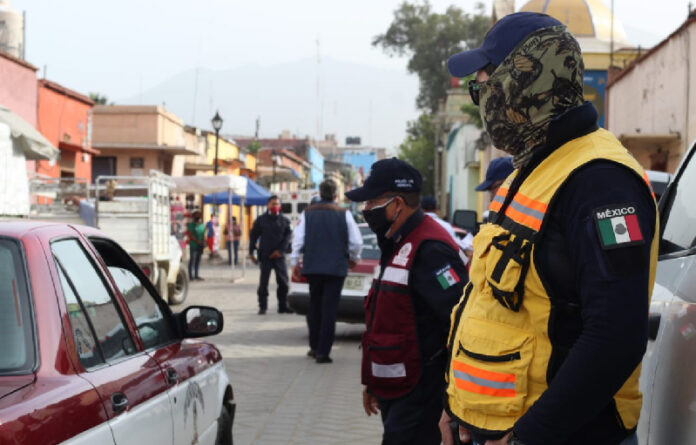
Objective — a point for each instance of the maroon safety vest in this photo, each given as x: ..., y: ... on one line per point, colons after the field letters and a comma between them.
x: 392, y: 363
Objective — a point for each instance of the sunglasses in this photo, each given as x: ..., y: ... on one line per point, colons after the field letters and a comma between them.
x: 474, y: 88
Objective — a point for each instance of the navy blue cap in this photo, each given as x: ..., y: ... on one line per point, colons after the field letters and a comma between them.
x: 498, y: 169
x: 388, y: 175
x: 500, y: 40
x: 428, y: 203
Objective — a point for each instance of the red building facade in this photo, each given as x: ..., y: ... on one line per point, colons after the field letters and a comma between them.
x: 64, y: 117
x: 18, y: 87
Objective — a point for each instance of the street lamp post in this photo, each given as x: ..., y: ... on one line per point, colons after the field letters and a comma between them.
x: 274, y: 160
x: 217, y: 125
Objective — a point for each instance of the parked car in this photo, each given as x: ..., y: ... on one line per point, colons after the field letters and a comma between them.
x: 355, y: 288
x: 668, y: 380
x: 91, y: 354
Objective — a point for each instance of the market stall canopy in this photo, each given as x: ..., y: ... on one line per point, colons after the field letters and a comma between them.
x: 255, y: 196
x: 211, y: 184
x: 34, y: 145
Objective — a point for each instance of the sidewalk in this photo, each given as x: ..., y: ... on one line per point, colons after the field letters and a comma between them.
x: 282, y: 396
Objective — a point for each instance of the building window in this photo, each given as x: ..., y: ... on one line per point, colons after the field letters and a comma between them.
x: 137, y: 166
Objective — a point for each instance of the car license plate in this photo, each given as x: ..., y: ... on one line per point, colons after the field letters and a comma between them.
x: 353, y: 283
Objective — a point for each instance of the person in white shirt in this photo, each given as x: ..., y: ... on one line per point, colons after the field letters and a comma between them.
x: 429, y: 206
x: 330, y: 242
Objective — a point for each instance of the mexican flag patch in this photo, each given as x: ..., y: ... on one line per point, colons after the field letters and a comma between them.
x: 447, y: 277
x: 618, y: 226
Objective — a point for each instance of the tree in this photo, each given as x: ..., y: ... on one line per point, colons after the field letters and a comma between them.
x: 100, y: 99
x: 430, y: 39
x: 254, y: 147
x: 418, y: 149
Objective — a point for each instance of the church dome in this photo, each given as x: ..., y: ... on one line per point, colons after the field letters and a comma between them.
x: 584, y: 18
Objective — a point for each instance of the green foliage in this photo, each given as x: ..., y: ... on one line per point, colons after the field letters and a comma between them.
x: 429, y: 39
x: 254, y: 147
x: 100, y: 99
x: 419, y: 149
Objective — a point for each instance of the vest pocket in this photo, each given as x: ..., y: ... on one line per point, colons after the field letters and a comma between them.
x: 490, y: 366
x: 388, y: 361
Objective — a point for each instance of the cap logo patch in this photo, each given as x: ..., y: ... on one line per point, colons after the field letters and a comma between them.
x: 404, y: 183
x: 617, y: 226
x: 401, y: 258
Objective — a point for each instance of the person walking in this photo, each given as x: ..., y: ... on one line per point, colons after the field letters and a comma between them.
x: 547, y: 341
x: 329, y: 241
x: 195, y: 231
x: 232, y: 238
x: 272, y: 231
x: 407, y: 311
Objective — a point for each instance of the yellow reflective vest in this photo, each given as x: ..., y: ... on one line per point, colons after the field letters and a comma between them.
x: 499, y: 339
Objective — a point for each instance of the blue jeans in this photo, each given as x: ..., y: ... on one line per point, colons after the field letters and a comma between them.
x: 194, y: 264
x: 231, y: 244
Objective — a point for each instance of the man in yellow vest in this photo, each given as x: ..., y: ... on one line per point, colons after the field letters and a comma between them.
x: 546, y: 342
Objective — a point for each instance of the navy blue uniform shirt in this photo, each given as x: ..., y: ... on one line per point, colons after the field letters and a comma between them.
x: 601, y: 333
x: 274, y: 232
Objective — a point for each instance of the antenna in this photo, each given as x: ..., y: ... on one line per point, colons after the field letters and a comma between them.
x: 369, y: 123
x: 258, y: 125
x: 195, y: 96
x: 611, y: 47
x: 319, y: 104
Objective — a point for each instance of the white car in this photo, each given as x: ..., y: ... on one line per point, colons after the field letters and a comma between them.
x: 668, y: 380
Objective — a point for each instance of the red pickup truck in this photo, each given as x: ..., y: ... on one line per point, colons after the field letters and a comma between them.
x: 90, y: 354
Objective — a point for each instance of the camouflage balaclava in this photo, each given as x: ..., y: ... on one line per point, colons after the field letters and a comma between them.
x: 539, y: 80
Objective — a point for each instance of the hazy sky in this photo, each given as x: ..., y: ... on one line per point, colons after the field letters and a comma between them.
x: 122, y: 47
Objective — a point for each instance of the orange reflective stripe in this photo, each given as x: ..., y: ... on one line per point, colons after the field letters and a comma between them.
x: 473, y: 387
x: 495, y: 206
x: 532, y: 204
x: 521, y: 218
x: 482, y: 373
x: 472, y: 379
x: 647, y: 181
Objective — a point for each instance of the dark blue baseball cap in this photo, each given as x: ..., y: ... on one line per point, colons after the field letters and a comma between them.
x: 428, y: 203
x: 500, y: 40
x: 498, y: 169
x: 388, y: 175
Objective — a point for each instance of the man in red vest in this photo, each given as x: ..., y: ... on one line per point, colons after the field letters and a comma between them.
x: 421, y: 278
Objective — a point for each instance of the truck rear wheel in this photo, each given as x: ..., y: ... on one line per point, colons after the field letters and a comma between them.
x: 179, y: 290
x: 162, y: 286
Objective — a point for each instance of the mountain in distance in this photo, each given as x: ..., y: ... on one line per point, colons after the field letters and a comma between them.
x: 355, y: 100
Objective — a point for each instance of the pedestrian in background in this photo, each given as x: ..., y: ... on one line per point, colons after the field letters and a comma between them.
x: 547, y: 342
x: 408, y: 308
x: 232, y: 238
x: 272, y: 232
x: 329, y: 241
x: 429, y: 206
x: 196, y: 235
x: 498, y: 170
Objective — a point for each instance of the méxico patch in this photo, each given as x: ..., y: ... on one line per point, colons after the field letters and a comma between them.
x: 447, y: 277
x: 618, y: 226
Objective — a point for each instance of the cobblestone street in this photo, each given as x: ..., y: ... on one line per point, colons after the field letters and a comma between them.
x: 282, y: 396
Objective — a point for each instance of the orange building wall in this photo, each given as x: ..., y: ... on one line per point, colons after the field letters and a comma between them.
x: 62, y: 118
